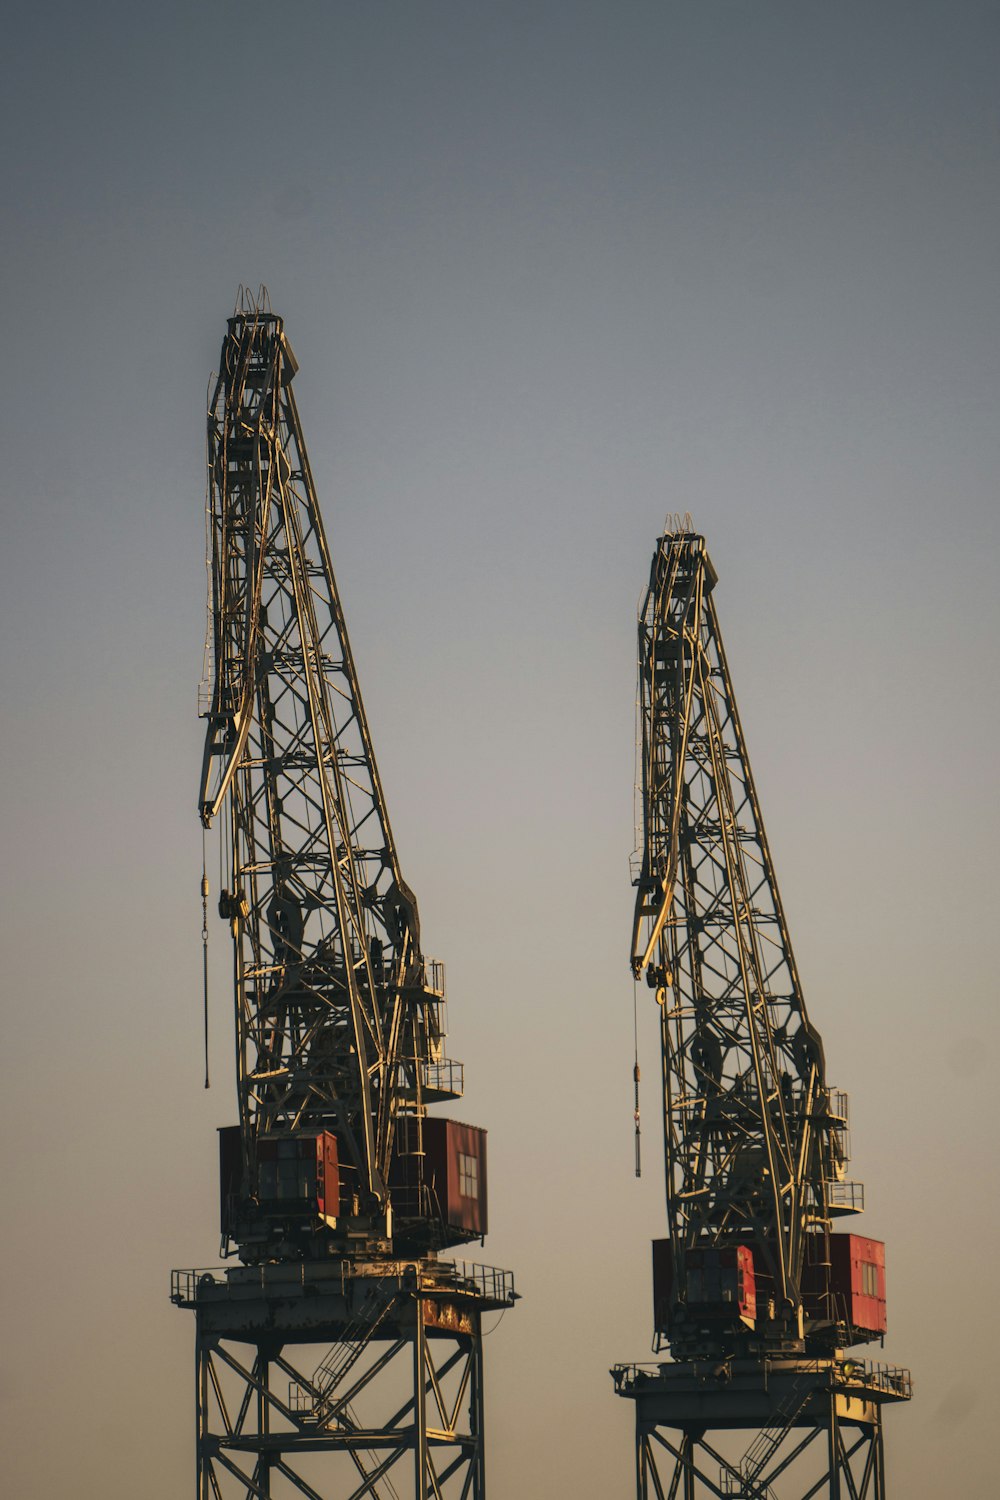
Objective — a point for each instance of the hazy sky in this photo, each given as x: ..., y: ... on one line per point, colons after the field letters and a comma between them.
x: 550, y: 270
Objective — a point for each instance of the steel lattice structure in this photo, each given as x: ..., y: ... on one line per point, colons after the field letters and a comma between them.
x: 751, y: 1145
x: 338, y: 1189
x: 760, y: 1429
x: 394, y: 1409
x: 751, y: 1280
x: 335, y: 1024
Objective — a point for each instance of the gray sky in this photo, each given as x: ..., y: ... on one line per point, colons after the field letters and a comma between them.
x: 551, y: 270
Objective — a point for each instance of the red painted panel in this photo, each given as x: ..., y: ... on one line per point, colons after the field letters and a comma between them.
x: 719, y: 1282
x: 746, y: 1283
x: 327, y: 1175
x: 663, y: 1284
x: 455, y: 1165
x: 299, y: 1171
x: 857, y: 1279
x: 230, y: 1175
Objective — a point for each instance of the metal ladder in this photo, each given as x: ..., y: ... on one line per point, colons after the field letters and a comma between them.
x: 344, y: 1355
x: 764, y: 1446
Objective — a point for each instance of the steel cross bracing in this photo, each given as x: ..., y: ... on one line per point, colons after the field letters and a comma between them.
x: 751, y: 1144
x: 397, y: 1415
x: 336, y: 1024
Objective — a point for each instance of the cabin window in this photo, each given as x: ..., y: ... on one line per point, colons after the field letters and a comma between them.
x: 468, y: 1176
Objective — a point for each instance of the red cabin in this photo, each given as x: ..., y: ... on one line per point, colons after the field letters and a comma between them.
x: 452, y: 1167
x: 719, y: 1284
x: 301, y: 1172
x: 300, y: 1180
x: 297, y: 1175
x: 857, y: 1280
x: 849, y: 1290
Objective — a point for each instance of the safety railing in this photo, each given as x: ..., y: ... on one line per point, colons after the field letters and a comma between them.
x: 865, y: 1374
x: 626, y: 1377
x: 840, y: 1105
x: 846, y: 1197
x: 434, y: 976
x: 491, y: 1283
x: 444, y: 1077
x: 285, y: 1278
x: 217, y: 1284
x: 892, y: 1379
x: 301, y: 1400
x: 184, y: 1285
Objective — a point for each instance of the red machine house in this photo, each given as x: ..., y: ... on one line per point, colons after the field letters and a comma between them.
x: 847, y: 1290
x: 298, y: 1176
x: 451, y: 1170
x: 301, y: 1179
x: 719, y: 1285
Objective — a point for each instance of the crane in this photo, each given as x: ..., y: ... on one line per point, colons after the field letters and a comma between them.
x: 756, y: 1298
x: 338, y: 1189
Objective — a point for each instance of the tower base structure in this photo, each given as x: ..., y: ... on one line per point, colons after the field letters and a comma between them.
x: 769, y: 1429
x: 342, y: 1379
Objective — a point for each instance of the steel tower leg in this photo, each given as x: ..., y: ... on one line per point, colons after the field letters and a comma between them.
x: 687, y: 1450
x: 200, y: 1419
x: 478, y: 1491
x: 641, y: 1487
x: 420, y: 1412
x: 833, y: 1450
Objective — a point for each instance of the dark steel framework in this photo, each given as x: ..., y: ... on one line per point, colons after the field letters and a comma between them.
x: 340, y: 1021
x: 336, y: 1021
x: 393, y: 1409
x: 759, y: 1429
x: 755, y: 1139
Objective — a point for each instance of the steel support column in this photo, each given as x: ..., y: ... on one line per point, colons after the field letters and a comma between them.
x: 833, y: 1452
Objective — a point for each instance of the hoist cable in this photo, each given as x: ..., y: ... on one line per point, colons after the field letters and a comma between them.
x: 635, y: 1075
x: 204, y: 947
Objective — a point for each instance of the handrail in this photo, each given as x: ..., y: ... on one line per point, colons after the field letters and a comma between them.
x: 858, y: 1373
x: 491, y: 1281
x: 279, y: 1277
